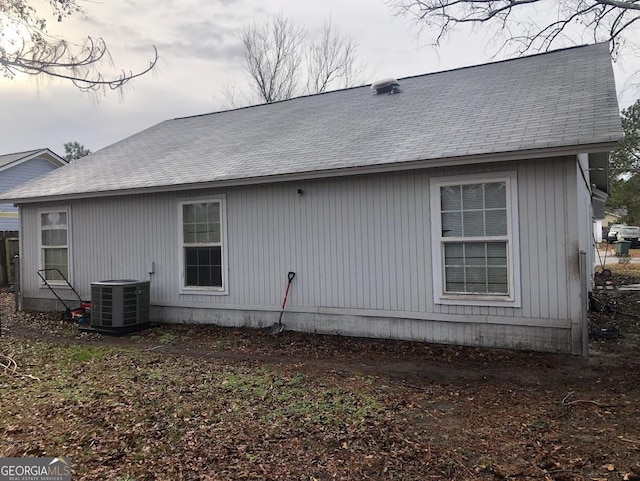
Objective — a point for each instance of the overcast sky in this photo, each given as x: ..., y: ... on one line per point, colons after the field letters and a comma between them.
x: 200, y: 52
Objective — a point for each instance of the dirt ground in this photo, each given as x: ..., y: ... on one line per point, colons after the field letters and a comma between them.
x: 216, y: 403
x: 611, y: 248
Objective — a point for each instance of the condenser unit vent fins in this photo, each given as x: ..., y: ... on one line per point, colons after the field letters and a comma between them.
x: 119, y: 303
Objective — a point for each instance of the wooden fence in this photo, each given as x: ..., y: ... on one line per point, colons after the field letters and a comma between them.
x: 9, y: 248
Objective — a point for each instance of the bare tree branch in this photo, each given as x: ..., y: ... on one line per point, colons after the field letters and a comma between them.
x: 25, y: 47
x: 277, y: 61
x: 273, y: 55
x: 604, y: 20
x: 632, y: 5
x: 331, y: 61
x: 232, y: 97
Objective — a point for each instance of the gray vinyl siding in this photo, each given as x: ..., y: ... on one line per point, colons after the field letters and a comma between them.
x: 361, y: 248
x: 14, y: 176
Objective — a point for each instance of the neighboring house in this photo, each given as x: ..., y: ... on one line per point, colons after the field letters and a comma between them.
x: 602, y: 222
x: 611, y: 218
x: 598, y: 199
x: 18, y: 168
x: 412, y: 215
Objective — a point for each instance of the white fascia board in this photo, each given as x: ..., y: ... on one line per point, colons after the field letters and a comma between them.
x: 44, y: 153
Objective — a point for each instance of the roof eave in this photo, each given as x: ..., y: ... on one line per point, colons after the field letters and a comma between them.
x: 339, y: 172
x: 48, y: 154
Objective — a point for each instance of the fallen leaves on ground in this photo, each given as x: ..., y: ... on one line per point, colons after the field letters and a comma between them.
x: 207, y: 403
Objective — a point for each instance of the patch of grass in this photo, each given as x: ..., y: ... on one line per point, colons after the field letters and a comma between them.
x: 485, y: 463
x: 122, y: 413
x: 369, y: 380
x: 537, y: 424
x: 74, y: 394
x: 290, y: 399
x: 167, y: 338
x: 78, y: 354
x: 154, y: 374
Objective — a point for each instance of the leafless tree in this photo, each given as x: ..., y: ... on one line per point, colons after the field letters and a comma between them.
x: 229, y: 96
x: 279, y: 62
x: 520, y: 20
x: 331, y: 61
x: 273, y: 55
x: 26, y: 47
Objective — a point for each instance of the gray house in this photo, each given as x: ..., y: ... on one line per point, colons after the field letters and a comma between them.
x: 18, y: 168
x: 421, y: 214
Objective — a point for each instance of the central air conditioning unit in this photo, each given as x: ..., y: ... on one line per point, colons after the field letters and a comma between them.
x: 119, y: 303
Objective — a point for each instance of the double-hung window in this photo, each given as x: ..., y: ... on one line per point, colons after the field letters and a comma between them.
x: 54, y: 244
x: 202, y: 224
x: 474, y: 240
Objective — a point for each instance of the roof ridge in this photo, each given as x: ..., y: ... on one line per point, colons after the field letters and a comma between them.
x: 494, y: 113
x: 409, y: 77
x: 23, y: 152
x: 505, y: 60
x: 270, y: 103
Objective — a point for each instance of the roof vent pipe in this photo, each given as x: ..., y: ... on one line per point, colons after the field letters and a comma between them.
x: 386, y: 86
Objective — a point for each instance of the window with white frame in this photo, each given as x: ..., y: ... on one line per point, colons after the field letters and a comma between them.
x: 54, y: 244
x: 474, y: 240
x: 203, y: 246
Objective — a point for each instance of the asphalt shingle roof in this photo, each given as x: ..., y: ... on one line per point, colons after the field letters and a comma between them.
x: 564, y: 98
x: 7, y: 159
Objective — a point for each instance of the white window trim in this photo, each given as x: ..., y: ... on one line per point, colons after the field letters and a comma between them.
x: 205, y: 290
x: 513, y: 299
x: 57, y: 283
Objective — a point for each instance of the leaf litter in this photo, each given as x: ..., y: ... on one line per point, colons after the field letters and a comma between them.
x: 220, y: 404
